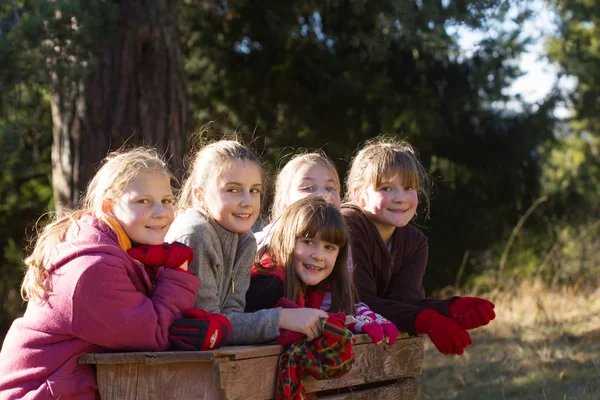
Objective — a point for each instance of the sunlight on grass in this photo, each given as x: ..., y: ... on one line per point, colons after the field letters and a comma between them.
x: 543, y: 344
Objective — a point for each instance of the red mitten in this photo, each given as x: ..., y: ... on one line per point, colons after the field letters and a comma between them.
x: 314, y: 298
x: 199, y: 330
x: 150, y: 255
x: 178, y: 254
x: 366, y: 323
x: 447, y: 336
x: 472, y: 312
x: 286, y: 337
x: 286, y: 303
x: 169, y: 255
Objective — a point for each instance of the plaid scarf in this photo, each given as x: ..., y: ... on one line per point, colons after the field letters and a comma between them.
x: 328, y: 356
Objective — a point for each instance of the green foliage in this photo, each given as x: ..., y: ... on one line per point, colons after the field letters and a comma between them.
x: 25, y: 191
x: 576, y: 49
x: 330, y: 75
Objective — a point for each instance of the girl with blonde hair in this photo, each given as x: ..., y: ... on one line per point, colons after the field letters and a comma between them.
x: 220, y: 202
x: 304, y: 175
x: 85, y: 292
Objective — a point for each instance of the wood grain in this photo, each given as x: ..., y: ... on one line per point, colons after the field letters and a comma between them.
x: 250, y: 372
x: 372, y: 363
x: 403, y: 389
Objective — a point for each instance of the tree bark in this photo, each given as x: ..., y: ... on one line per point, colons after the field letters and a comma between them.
x: 135, y: 94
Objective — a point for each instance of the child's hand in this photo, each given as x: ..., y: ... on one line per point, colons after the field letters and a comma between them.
x: 390, y: 331
x: 199, y: 330
x: 303, y: 320
x: 377, y: 327
x: 447, y: 336
x: 168, y: 255
x: 472, y: 312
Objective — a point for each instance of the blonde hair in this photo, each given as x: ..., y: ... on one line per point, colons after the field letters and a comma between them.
x: 311, y: 217
x: 285, y: 177
x: 384, y: 158
x: 209, y: 164
x: 117, y: 170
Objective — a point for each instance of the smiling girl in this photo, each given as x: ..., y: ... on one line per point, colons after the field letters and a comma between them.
x: 389, y: 256
x: 304, y: 261
x: 305, y: 175
x: 85, y: 292
x: 220, y: 202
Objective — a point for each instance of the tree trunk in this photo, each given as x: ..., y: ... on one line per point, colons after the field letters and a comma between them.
x: 135, y: 94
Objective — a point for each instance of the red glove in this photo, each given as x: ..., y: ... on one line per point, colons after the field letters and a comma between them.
x: 168, y: 255
x: 471, y: 312
x: 447, y: 336
x: 377, y: 327
x: 314, y: 298
x: 199, y: 330
x: 286, y: 337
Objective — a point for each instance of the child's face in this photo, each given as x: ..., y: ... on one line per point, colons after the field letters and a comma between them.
x: 314, y: 180
x: 236, y: 205
x: 145, y: 208
x: 391, y: 204
x: 314, y: 259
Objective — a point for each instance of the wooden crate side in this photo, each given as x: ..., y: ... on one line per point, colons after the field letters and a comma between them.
x: 252, y: 379
x: 403, y: 389
x: 117, y: 381
x: 164, y: 382
x: 256, y: 378
x: 373, y: 363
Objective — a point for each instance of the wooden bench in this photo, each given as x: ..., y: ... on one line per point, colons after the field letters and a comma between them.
x: 249, y: 372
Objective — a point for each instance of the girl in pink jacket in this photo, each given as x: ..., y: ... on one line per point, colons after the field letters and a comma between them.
x: 87, y: 294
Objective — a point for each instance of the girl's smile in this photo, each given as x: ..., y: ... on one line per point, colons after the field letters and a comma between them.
x: 145, y: 208
x: 390, y: 205
x: 237, y: 203
x: 314, y: 259
x: 312, y: 179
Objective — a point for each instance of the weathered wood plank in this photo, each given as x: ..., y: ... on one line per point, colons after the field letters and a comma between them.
x: 139, y: 381
x: 252, y: 379
x: 232, y: 352
x: 372, y: 363
x: 403, y: 389
x: 166, y: 357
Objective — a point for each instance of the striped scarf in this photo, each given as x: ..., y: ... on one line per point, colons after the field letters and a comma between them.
x: 328, y: 356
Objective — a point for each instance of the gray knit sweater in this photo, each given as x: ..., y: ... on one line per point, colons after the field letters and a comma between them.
x: 222, y: 261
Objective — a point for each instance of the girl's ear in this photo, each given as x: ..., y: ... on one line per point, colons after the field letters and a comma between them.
x: 199, y: 194
x: 357, y: 193
x: 107, y: 206
x: 281, y: 206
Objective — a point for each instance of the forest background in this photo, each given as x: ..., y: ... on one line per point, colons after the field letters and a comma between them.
x: 517, y: 191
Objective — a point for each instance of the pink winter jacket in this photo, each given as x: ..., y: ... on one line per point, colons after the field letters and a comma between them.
x: 102, y: 301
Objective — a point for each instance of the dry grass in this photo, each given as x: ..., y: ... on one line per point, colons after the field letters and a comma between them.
x: 543, y: 344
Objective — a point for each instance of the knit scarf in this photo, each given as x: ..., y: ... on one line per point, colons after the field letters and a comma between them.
x: 328, y: 356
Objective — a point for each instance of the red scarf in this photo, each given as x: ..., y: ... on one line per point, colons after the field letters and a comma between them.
x: 311, y: 298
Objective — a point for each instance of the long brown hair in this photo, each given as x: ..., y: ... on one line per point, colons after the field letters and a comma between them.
x: 311, y: 217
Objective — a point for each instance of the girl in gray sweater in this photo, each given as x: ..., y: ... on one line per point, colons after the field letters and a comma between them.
x: 220, y: 201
